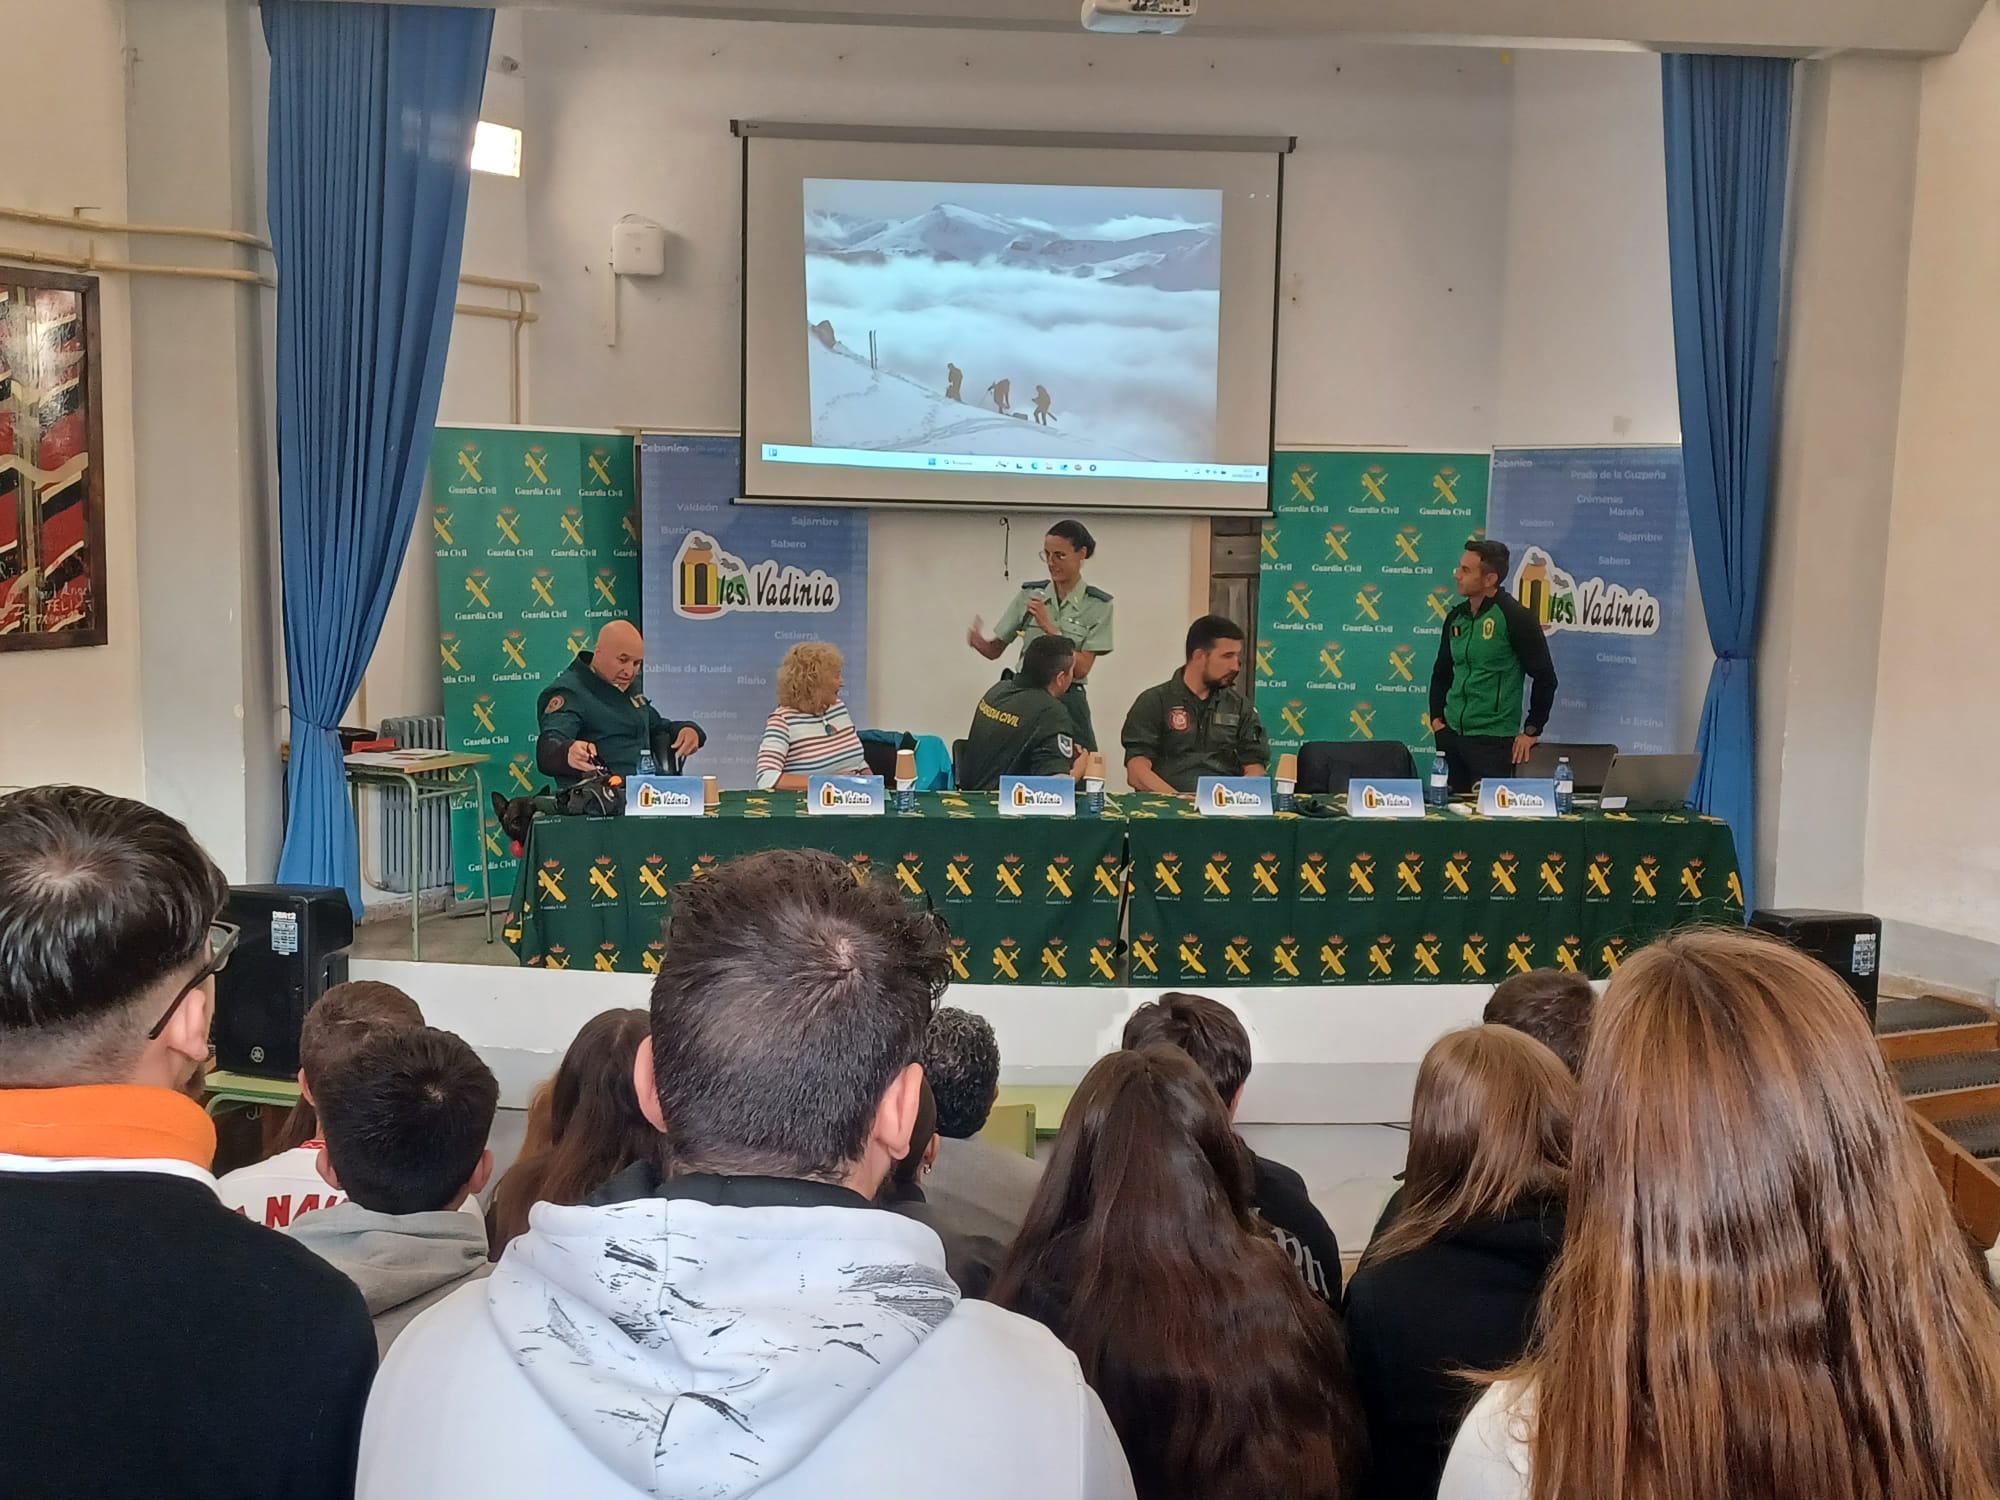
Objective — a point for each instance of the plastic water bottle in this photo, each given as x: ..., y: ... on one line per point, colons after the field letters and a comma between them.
x: 1565, y: 786
x: 647, y: 765
x: 1437, y: 790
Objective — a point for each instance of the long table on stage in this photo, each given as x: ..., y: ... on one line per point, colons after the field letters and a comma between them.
x: 1154, y: 894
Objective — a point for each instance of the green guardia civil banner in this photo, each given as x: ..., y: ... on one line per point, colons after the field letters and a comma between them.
x: 536, y: 537
x: 1355, y: 581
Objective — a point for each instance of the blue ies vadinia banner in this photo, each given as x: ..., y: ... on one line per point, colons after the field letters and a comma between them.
x: 729, y: 588
x: 1599, y: 538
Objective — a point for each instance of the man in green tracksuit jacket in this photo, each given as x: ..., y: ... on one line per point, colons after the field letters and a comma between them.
x: 1490, y: 644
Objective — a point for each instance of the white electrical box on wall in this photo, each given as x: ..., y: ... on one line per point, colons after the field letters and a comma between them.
x: 638, y: 248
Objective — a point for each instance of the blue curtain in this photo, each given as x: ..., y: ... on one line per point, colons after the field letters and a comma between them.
x: 1728, y: 120
x: 372, y: 116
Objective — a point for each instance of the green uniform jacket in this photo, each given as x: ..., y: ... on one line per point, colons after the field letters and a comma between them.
x: 1476, y: 682
x: 1084, y: 618
x: 580, y: 705
x: 1187, y: 738
x: 1017, y: 730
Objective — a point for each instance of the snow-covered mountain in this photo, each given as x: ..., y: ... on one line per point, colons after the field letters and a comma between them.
x: 855, y: 406
x: 1170, y: 260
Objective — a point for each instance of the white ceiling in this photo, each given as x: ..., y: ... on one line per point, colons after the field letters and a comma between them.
x: 1798, y: 27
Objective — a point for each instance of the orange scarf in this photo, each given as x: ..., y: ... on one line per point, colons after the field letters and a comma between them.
x: 110, y: 1120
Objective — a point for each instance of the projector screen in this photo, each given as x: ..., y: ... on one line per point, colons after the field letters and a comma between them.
x: 960, y: 322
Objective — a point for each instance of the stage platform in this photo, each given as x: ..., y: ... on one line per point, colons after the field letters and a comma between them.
x: 1324, y: 1055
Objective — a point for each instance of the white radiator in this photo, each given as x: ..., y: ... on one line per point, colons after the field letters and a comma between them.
x: 433, y: 834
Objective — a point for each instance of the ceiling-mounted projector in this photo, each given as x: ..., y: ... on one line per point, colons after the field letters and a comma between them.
x: 1137, y: 17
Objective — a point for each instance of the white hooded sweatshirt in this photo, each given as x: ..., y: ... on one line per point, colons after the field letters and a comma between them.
x: 730, y: 1338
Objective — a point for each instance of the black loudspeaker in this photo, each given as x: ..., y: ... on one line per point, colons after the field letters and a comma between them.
x: 1847, y: 942
x: 294, y: 945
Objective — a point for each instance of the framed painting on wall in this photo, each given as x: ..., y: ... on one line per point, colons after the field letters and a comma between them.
x: 51, y: 462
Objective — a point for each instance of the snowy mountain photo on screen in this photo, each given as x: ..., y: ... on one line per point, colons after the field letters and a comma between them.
x: 1006, y: 319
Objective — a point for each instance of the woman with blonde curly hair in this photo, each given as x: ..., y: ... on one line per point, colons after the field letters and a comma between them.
x: 810, y: 732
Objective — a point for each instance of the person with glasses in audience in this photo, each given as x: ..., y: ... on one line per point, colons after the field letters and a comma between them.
x: 1060, y: 604
x: 150, y: 1339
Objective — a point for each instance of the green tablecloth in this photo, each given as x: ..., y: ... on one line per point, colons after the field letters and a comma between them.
x: 1214, y: 901
x: 1029, y: 900
x: 1450, y: 899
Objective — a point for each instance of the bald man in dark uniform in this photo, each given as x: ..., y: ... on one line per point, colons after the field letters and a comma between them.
x: 591, y: 718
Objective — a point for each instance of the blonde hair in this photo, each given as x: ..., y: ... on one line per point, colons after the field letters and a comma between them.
x: 1489, y: 1127
x: 804, y: 674
x: 1762, y: 1292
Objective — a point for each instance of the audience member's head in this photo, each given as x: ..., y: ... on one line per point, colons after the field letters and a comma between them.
x: 108, y: 942
x: 405, y: 1118
x: 1489, y: 1129
x: 1550, y: 1005
x: 788, y: 1018
x: 1142, y: 1251
x: 1761, y: 1291
x: 903, y: 1181
x: 335, y: 1026
x: 962, y: 1066
x: 590, y: 1129
x: 1206, y: 1030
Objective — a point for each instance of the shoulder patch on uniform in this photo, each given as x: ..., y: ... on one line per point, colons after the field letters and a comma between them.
x: 1067, y: 745
x: 1097, y: 593
x: 555, y: 704
x: 1039, y: 583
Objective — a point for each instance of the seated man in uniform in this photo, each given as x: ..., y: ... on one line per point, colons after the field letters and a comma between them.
x: 1021, y: 727
x: 1196, y: 723
x: 590, y: 716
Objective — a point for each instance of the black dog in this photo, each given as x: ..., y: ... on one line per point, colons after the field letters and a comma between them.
x: 599, y: 796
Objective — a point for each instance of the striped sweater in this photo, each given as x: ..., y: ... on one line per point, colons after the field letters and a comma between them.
x: 800, y: 744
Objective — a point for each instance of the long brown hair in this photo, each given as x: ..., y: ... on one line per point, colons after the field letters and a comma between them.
x: 1489, y: 1128
x: 594, y: 1128
x: 1762, y: 1292
x: 1225, y: 1378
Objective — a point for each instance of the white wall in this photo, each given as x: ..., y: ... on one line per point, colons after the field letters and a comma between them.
x: 1933, y: 858
x: 1587, y: 331
x: 1842, y: 355
x: 211, y: 746
x: 74, y: 714
x: 1420, y: 306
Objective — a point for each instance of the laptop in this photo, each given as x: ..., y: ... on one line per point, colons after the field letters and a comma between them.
x: 1648, y: 783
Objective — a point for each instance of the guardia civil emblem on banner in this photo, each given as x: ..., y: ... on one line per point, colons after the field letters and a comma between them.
x: 1354, y: 582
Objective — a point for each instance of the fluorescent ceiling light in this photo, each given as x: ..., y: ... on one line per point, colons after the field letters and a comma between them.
x: 496, y: 149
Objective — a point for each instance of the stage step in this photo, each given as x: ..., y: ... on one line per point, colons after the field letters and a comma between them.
x: 1927, y: 1013
x: 1949, y: 1073
x: 1978, y: 1134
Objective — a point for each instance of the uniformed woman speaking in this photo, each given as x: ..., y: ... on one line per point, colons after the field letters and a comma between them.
x: 1061, y: 604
